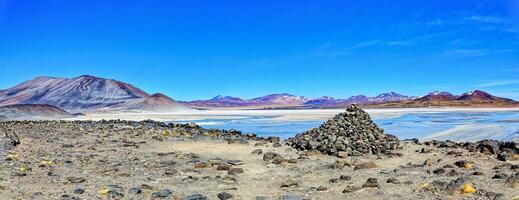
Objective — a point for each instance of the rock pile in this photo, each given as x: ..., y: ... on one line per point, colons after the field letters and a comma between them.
x: 351, y: 133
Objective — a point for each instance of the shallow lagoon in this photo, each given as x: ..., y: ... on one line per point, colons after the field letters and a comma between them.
x: 459, y: 126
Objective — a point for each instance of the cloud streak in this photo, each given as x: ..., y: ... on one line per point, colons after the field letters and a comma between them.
x: 499, y: 83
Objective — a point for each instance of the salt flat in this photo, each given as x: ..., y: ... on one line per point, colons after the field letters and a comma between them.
x: 286, y: 115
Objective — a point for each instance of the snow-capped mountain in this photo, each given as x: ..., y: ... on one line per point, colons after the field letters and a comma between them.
x: 390, y: 96
x: 476, y: 98
x: 437, y: 95
x: 280, y: 99
x: 478, y: 95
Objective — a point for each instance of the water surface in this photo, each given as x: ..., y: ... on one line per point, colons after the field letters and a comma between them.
x: 460, y: 126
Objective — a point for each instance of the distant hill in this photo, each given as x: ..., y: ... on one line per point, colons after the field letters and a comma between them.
x: 85, y: 93
x: 476, y: 98
x: 155, y: 103
x: 32, y: 111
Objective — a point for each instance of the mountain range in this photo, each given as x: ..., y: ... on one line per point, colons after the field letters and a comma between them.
x: 284, y: 100
x: 475, y: 98
x: 50, y: 96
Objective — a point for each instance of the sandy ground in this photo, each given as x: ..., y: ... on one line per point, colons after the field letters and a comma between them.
x: 119, y: 157
x: 284, y: 115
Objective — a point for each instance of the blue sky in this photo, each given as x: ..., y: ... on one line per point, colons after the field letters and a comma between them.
x: 199, y: 49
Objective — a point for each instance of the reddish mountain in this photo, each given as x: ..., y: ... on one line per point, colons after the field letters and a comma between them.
x: 478, y: 95
x: 437, y: 96
x: 154, y: 103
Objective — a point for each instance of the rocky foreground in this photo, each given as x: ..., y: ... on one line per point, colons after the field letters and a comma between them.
x: 153, y: 160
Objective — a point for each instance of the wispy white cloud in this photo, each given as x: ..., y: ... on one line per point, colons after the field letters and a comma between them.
x: 436, y: 22
x: 399, y: 43
x: 474, y: 52
x: 499, y: 83
x: 488, y: 19
x: 366, y: 44
x: 464, y: 53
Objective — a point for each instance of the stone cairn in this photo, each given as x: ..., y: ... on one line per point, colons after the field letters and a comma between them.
x: 351, y: 133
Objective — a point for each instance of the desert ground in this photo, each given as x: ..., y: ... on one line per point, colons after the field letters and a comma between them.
x: 152, y: 160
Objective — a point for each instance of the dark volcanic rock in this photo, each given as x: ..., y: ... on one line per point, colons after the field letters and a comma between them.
x: 371, y: 182
x: 164, y: 193
x: 195, y: 197
x: 224, y: 196
x: 352, y: 132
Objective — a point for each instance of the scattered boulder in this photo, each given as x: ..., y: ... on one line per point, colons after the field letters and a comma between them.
x: 464, y: 164
x: 393, y: 181
x: 460, y: 186
x: 257, y: 152
x: 195, y: 197
x: 76, y: 179
x: 289, y: 183
x: 350, y: 189
x: 236, y: 171
x: 163, y: 193
x: 366, y: 165
x: 171, y: 171
x: 339, y: 164
x: 371, y: 182
x: 224, y: 196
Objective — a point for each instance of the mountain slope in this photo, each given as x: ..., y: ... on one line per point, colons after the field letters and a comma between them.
x: 83, y: 92
x: 33, y: 111
x: 154, y: 103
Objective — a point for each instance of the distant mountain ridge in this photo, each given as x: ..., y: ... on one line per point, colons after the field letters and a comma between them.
x: 475, y: 98
x: 285, y: 99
